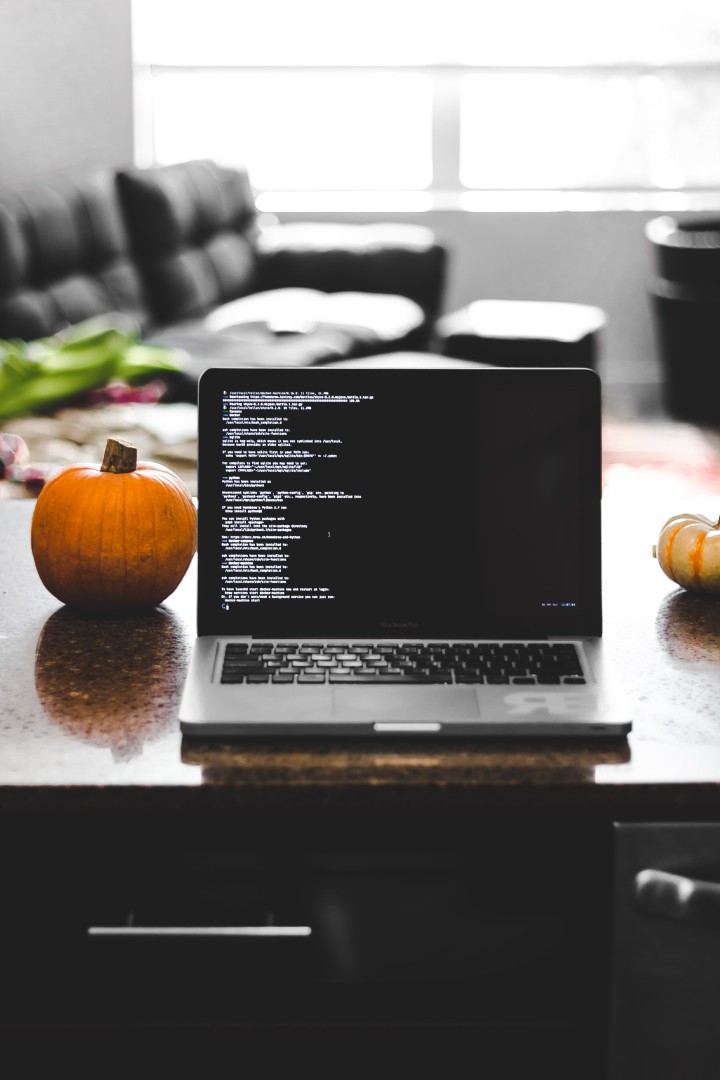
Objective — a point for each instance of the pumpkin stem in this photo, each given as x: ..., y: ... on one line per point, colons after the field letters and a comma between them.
x: 120, y: 457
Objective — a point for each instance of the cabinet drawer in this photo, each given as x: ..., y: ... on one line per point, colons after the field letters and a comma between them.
x: 306, y: 937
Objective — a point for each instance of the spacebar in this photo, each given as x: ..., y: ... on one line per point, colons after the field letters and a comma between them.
x: 384, y: 680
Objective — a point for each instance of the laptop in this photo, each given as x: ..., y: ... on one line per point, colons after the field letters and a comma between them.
x: 387, y: 552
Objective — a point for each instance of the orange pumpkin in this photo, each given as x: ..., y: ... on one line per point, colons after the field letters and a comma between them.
x: 116, y: 535
x: 688, y: 551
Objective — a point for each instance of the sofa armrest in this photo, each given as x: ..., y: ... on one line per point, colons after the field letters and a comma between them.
x: 407, y: 260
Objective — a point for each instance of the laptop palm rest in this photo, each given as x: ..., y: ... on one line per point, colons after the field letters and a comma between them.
x: 415, y: 704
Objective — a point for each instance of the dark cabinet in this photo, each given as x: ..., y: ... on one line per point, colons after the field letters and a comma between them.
x: 495, y: 945
x: 666, y: 952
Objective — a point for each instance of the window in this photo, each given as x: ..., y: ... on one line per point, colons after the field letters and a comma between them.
x: 435, y: 101
x: 302, y: 129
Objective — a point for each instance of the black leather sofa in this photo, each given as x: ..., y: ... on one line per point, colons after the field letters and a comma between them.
x: 180, y: 250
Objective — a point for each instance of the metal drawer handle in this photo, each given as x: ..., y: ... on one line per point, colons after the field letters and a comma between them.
x: 676, y: 897
x: 200, y: 931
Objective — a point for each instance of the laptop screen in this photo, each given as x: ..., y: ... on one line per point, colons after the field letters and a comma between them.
x: 441, y: 503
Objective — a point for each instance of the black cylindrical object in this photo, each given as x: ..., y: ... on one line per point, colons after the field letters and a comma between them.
x: 685, y: 302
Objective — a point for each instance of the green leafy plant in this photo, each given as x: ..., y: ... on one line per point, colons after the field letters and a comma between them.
x: 41, y: 374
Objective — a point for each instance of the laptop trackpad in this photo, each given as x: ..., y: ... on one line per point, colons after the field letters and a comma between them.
x: 405, y: 703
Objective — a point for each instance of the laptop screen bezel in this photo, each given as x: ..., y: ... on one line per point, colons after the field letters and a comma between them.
x: 584, y: 621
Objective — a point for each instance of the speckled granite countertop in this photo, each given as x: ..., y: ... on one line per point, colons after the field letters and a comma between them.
x: 88, y: 706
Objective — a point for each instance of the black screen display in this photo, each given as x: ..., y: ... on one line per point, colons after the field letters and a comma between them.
x: 366, y: 503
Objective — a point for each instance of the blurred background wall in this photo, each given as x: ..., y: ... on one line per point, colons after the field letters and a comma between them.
x: 65, y: 86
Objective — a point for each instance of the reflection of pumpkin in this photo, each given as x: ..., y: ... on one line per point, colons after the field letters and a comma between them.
x: 112, y: 681
x: 118, y: 535
x: 688, y: 627
x: 688, y: 551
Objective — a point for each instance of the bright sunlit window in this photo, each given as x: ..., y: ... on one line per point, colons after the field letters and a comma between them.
x: 437, y: 101
x: 303, y: 129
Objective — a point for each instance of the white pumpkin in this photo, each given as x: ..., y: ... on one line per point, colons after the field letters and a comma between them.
x: 688, y: 551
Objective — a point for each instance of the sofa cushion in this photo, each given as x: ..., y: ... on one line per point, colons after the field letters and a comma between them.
x: 192, y: 227
x: 379, y: 257
x: 383, y: 319
x: 64, y: 257
x: 292, y: 328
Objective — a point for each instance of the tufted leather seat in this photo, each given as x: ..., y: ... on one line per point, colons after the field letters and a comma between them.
x: 192, y: 228
x: 380, y: 257
x: 64, y: 257
x: 178, y: 249
x: 196, y: 240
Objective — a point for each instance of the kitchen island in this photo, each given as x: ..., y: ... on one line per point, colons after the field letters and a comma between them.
x: 454, y: 897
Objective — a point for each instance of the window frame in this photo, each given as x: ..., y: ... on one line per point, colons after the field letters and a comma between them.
x: 445, y: 191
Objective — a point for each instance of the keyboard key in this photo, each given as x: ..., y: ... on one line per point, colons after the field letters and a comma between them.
x: 244, y: 666
x: 383, y: 679
x: 258, y: 678
x: 310, y: 677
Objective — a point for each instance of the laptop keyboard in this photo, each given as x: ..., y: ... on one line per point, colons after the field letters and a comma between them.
x: 533, y: 663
